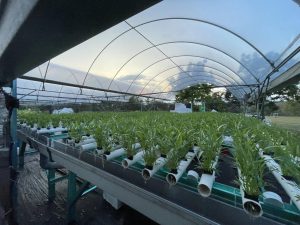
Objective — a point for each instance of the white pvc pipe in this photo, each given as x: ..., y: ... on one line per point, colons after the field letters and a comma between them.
x: 33, y: 129
x: 27, y: 128
x: 114, y: 154
x: 272, y: 198
x: 173, y: 178
x: 87, y: 141
x: 136, y: 145
x: 196, y: 148
x: 88, y: 146
x: 252, y: 207
x: 99, y: 151
x: 205, y: 184
x: 51, y: 130
x: 70, y: 141
x: 290, y: 187
x: 193, y: 175
x: 84, y: 142
x: 296, y: 159
x: 127, y: 162
x: 86, y: 137
x: 227, y: 139
x: 159, y: 163
x: 207, y: 180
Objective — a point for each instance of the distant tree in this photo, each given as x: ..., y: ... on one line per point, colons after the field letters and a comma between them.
x: 233, y: 104
x: 271, y: 107
x: 219, y: 101
x: 216, y: 102
x: 288, y: 93
x: 134, y: 99
x: 134, y: 103
x: 289, y: 96
x: 191, y: 94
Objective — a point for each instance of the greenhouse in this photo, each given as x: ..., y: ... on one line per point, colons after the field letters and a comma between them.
x: 150, y: 112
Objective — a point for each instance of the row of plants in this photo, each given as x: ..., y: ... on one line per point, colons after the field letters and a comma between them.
x: 167, y: 139
x: 162, y: 132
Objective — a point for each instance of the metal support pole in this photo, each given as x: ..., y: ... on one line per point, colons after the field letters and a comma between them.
x: 74, y: 195
x: 262, y: 112
x: 21, y: 155
x: 71, y: 195
x: 259, y: 100
x: 51, y: 185
x: 13, y: 130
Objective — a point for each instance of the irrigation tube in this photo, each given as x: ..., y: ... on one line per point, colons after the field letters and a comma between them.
x: 118, y: 152
x: 114, y: 154
x: 196, y: 148
x: 28, y: 128
x: 159, y: 163
x: 251, y: 206
x: 82, y: 142
x: 173, y: 178
x: 290, y: 187
x: 85, y: 142
x: 193, y: 175
x: 51, y: 130
x: 206, y: 181
x: 33, y: 129
x: 88, y: 146
x: 127, y: 162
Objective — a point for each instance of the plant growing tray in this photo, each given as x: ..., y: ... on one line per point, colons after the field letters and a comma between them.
x: 180, y: 200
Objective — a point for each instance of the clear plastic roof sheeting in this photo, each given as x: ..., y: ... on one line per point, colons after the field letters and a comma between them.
x: 176, y: 44
x: 38, y: 93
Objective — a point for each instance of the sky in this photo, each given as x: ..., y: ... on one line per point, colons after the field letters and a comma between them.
x: 198, y: 32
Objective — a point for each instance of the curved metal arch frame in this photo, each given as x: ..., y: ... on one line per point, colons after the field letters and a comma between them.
x: 93, y: 91
x: 177, y: 56
x: 94, y: 97
x: 196, y: 71
x: 178, y: 18
x: 55, y: 98
x: 150, y: 42
x: 80, y: 89
x: 60, y: 91
x: 62, y: 86
x: 222, y: 79
x: 183, y: 42
x: 37, y: 98
x: 188, y: 65
x: 190, y: 82
x: 63, y: 92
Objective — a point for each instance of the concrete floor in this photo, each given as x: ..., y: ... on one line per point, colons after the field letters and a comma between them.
x: 33, y: 208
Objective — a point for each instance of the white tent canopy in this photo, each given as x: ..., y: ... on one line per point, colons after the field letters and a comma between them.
x: 175, y: 44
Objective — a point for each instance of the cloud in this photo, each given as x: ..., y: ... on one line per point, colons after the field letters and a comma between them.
x: 131, y: 77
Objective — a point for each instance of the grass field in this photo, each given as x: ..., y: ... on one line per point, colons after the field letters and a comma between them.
x: 287, y: 122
